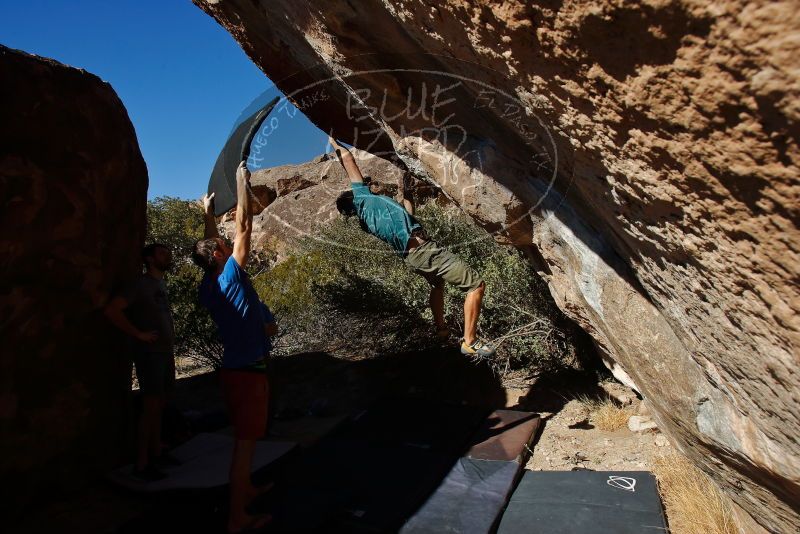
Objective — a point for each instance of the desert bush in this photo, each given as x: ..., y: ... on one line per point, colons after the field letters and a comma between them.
x: 357, y: 299
x: 605, y: 413
x: 344, y: 290
x: 518, y: 313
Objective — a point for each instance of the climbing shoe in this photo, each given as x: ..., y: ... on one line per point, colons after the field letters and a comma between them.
x: 478, y: 348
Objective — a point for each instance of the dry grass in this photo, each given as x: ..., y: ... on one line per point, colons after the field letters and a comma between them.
x: 693, y: 502
x: 605, y: 413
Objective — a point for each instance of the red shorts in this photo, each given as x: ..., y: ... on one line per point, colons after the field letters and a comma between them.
x: 246, y: 395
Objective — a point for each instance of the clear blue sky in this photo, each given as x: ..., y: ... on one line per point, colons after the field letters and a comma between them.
x: 182, y: 77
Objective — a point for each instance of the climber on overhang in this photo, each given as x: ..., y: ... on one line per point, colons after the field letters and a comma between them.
x: 386, y: 219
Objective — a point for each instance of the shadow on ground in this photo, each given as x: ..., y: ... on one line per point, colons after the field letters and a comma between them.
x: 313, y: 394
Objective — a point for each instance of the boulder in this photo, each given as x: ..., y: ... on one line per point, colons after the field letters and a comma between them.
x: 623, y: 395
x: 74, y: 188
x: 638, y: 423
x: 645, y: 157
x: 302, y: 197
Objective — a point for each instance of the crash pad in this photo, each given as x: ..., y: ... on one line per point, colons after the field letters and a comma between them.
x: 472, y: 495
x: 305, y: 431
x: 578, y: 502
x: 237, y: 148
x: 505, y: 435
x: 469, y: 499
x: 376, y: 470
x: 415, y: 422
x: 205, y: 462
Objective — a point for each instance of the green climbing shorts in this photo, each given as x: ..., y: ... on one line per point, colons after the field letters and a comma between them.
x: 437, y: 264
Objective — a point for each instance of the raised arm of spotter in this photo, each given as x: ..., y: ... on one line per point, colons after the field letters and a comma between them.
x: 208, y: 217
x: 244, y: 215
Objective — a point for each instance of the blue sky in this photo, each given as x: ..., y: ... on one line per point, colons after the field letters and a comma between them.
x: 182, y: 77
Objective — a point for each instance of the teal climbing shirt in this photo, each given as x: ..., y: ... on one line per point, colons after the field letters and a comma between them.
x: 383, y: 217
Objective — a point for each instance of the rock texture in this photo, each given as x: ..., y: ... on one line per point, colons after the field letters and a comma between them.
x: 292, y: 201
x: 73, y: 186
x: 645, y: 153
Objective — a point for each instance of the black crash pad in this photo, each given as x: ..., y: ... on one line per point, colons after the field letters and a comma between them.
x: 353, y: 487
x: 417, y: 423
x: 581, y: 502
x: 236, y: 149
x: 376, y: 470
x: 468, y: 500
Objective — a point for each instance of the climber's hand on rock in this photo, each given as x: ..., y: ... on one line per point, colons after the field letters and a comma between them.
x: 332, y: 142
x: 243, y: 173
x: 339, y: 149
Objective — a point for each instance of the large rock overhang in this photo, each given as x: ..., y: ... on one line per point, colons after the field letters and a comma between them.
x: 655, y: 178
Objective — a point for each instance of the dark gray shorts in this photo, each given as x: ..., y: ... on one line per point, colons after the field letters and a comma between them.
x: 437, y: 264
x: 155, y: 372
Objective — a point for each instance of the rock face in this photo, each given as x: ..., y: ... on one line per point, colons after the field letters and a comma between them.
x: 646, y: 153
x: 293, y: 200
x: 73, y: 186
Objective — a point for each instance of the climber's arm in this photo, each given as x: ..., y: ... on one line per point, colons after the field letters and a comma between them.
x: 348, y: 162
x: 114, y: 311
x: 407, y: 191
x: 244, y: 215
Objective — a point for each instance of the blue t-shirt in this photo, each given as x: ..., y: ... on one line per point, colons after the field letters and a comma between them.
x: 383, y: 217
x: 240, y: 315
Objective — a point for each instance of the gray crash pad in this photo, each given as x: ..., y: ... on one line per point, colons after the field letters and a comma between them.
x: 473, y: 494
x: 468, y: 500
x: 581, y: 502
x: 205, y: 461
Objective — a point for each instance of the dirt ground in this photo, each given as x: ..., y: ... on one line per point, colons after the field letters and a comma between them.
x: 569, y: 440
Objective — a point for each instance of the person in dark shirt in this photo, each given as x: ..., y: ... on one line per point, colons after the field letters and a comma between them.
x: 142, y: 312
x: 245, y: 325
x: 386, y: 219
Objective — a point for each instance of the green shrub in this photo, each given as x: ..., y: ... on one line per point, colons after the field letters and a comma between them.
x: 344, y: 290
